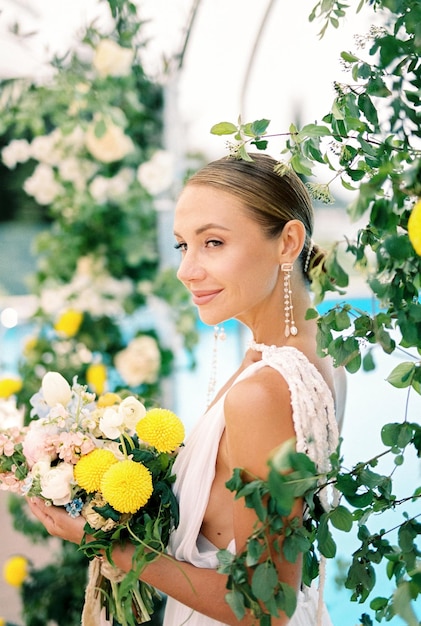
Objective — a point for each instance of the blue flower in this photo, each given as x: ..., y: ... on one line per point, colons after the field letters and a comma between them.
x: 74, y: 507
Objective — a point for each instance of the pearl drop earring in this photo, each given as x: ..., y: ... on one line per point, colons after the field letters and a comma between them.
x: 290, y: 327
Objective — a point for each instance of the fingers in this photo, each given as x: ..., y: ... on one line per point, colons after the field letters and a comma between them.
x: 56, y: 520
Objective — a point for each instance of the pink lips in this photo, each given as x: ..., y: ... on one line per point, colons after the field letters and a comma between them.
x: 203, y: 297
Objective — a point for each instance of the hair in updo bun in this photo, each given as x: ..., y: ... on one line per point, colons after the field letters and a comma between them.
x: 271, y: 198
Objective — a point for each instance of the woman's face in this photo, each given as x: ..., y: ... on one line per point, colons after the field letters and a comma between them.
x: 227, y: 263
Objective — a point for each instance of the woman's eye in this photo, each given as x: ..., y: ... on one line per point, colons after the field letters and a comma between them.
x: 213, y: 243
x: 180, y: 246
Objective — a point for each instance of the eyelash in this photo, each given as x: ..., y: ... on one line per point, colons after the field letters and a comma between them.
x: 183, y: 246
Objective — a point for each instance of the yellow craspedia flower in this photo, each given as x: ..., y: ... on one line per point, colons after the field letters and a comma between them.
x: 9, y: 386
x: 91, y: 467
x: 161, y: 429
x: 414, y: 227
x: 15, y: 570
x: 2, y: 621
x: 69, y: 322
x: 30, y: 345
x: 108, y: 399
x: 127, y: 486
x: 96, y: 377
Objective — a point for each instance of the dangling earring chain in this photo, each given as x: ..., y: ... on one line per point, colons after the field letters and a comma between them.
x: 290, y: 327
x: 308, y: 257
x: 218, y: 334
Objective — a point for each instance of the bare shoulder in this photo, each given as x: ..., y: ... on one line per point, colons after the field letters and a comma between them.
x: 265, y: 389
x: 258, y: 418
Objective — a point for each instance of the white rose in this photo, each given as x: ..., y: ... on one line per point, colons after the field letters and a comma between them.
x: 56, y: 484
x: 157, y: 174
x: 111, y: 423
x: 99, y: 188
x: 110, y: 59
x: 55, y: 389
x: 45, y: 148
x: 113, y: 145
x: 139, y: 362
x: 132, y: 411
x: 42, y: 185
x: 18, y: 151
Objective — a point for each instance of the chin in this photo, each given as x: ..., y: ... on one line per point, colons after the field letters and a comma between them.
x: 211, y: 319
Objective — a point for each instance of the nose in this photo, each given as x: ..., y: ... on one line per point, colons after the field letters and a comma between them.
x: 190, y: 269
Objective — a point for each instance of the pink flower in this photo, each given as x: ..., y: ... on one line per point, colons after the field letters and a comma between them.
x: 71, y: 446
x: 37, y: 443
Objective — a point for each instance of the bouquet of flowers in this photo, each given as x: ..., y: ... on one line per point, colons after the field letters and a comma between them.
x: 109, y: 460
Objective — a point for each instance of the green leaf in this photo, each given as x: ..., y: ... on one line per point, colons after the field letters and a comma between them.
x: 223, y: 128
x: 348, y: 57
x: 235, y: 601
x: 264, y: 581
x: 341, y: 518
x: 255, y: 550
x: 314, y: 130
x: 401, y: 376
x: 325, y: 541
x: 259, y: 127
x: 288, y: 603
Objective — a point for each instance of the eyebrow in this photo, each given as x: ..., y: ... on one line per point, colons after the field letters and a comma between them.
x: 205, y: 227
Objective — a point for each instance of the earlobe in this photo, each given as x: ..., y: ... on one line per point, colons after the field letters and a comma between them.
x: 291, y: 241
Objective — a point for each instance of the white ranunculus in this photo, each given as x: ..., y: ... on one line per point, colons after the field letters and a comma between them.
x: 132, y: 411
x: 139, y: 362
x: 110, y: 59
x: 99, y: 189
x: 157, y: 174
x: 111, y: 423
x: 56, y: 484
x: 45, y: 148
x: 18, y: 151
x: 42, y: 184
x: 113, y: 145
x: 55, y: 389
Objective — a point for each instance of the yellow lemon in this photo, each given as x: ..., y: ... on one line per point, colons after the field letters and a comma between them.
x: 414, y: 227
x: 15, y: 570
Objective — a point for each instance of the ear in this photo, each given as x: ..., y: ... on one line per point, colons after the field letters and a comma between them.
x: 291, y: 241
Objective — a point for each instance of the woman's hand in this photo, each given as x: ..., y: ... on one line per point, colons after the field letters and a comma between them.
x: 57, y: 521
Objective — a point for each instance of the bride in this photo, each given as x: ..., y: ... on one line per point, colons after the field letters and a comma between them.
x: 245, y: 238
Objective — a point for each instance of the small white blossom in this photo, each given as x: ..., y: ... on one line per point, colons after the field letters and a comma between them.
x: 42, y: 185
x: 18, y: 151
x: 157, y: 175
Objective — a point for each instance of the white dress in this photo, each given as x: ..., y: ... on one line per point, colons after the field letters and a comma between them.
x: 316, y: 434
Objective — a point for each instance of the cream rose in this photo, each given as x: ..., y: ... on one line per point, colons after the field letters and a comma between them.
x: 55, y: 389
x: 132, y: 411
x: 110, y: 59
x: 111, y: 423
x: 113, y: 145
x: 139, y: 362
x: 56, y: 484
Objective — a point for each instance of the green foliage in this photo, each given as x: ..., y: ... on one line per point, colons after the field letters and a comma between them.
x: 370, y: 141
x: 253, y: 580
